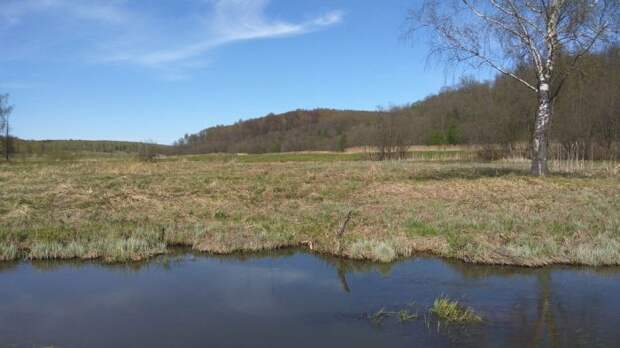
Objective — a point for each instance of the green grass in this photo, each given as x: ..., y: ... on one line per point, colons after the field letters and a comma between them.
x: 454, y: 312
x: 318, y: 156
x: 274, y: 157
x: 119, y: 208
x: 416, y: 227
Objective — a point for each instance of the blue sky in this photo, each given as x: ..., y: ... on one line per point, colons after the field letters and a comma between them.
x: 157, y: 69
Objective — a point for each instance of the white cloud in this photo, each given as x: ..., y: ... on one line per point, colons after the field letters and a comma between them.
x: 230, y: 21
x: 146, y: 37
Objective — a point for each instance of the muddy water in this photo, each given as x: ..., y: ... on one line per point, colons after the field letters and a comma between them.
x: 294, y: 299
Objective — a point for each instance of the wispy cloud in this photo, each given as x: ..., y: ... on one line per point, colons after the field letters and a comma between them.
x: 128, y: 34
x: 230, y: 21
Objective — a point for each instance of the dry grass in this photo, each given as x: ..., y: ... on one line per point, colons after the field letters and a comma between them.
x: 123, y: 209
x: 8, y: 252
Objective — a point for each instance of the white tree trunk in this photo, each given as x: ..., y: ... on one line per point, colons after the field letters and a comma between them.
x: 541, y: 127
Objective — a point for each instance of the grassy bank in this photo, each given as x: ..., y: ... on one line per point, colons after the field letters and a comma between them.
x: 119, y: 210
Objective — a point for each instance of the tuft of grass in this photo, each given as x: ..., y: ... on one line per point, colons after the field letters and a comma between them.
x: 372, y: 250
x: 8, y: 252
x: 44, y: 250
x: 130, y: 249
x: 599, y: 251
x: 110, y: 250
x: 452, y: 311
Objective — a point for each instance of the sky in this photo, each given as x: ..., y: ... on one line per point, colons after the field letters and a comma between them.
x: 156, y: 70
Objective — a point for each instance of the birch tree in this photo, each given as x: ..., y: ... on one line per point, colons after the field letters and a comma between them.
x: 5, y: 112
x: 503, y: 34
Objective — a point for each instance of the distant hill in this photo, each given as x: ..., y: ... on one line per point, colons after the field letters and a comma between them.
x: 320, y: 129
x: 500, y: 111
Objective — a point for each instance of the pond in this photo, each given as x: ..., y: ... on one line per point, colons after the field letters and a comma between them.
x: 295, y: 299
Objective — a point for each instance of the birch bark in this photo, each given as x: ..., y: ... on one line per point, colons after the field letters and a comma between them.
x: 540, y: 142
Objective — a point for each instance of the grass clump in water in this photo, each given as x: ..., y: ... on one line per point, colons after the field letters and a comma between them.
x: 403, y: 315
x: 452, y: 311
x: 378, y: 316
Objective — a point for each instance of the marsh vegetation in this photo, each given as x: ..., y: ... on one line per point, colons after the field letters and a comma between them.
x: 122, y: 209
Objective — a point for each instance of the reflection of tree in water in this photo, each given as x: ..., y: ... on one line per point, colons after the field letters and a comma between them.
x: 479, y: 271
x: 545, y: 328
x: 475, y: 271
x: 544, y: 320
x: 544, y: 325
x: 342, y: 276
x: 251, y: 256
x: 344, y: 267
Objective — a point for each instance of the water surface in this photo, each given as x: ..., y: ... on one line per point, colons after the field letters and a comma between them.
x: 291, y: 298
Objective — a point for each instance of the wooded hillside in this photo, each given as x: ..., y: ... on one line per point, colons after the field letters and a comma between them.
x: 498, y: 112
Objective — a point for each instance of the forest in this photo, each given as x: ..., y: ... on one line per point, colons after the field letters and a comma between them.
x: 497, y: 115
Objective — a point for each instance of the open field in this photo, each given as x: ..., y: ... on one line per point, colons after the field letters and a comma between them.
x: 120, y: 209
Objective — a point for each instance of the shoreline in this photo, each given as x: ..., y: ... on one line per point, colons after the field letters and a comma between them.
x: 23, y: 256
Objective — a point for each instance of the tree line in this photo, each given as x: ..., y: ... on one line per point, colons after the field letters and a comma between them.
x: 101, y: 146
x: 500, y: 113
x: 62, y: 148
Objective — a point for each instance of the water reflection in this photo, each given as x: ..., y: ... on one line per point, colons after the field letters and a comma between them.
x: 290, y: 297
